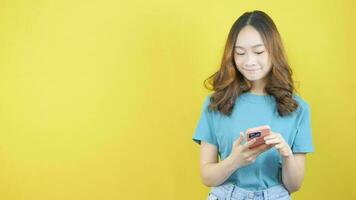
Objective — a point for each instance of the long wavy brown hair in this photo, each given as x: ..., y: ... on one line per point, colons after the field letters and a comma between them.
x: 228, y: 83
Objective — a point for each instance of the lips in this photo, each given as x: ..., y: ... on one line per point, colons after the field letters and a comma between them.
x: 251, y: 70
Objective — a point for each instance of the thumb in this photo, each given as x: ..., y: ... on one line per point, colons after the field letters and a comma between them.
x: 240, y: 139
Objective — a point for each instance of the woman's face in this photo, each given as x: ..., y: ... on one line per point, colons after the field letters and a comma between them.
x: 250, y: 55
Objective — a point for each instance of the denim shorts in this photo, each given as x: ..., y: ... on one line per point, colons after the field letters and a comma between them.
x: 230, y: 191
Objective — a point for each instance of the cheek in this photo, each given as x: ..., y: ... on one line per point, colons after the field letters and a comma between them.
x: 238, y: 62
x: 265, y: 62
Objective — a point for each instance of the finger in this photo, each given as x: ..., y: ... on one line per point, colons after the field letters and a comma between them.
x: 270, y: 136
x: 279, y: 146
x: 239, y: 140
x: 278, y: 135
x: 273, y: 141
x: 248, y: 144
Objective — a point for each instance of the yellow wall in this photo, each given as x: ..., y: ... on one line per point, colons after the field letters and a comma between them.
x: 99, y: 99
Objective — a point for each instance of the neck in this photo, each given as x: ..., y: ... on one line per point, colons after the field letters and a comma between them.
x: 258, y: 87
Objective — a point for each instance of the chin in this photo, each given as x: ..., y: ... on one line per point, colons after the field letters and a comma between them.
x: 253, y: 78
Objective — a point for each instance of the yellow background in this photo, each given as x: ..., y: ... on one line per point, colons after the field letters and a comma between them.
x: 100, y: 98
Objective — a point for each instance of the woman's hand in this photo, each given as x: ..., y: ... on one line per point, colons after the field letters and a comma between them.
x: 276, y: 140
x: 242, y: 155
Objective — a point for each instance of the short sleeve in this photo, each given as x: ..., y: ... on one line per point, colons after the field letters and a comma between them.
x: 303, y: 140
x: 204, y: 130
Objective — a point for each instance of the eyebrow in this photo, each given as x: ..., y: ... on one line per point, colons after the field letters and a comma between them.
x: 254, y: 46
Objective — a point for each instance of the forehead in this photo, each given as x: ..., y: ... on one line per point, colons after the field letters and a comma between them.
x: 249, y: 37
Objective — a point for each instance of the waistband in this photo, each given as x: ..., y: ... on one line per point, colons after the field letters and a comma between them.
x: 230, y: 191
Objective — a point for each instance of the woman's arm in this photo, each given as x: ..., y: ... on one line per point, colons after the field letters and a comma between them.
x: 293, y: 171
x: 292, y: 164
x: 214, y: 173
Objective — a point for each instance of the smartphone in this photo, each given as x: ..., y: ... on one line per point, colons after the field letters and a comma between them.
x: 259, y: 133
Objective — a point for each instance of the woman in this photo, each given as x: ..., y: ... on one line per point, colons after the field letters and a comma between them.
x: 253, y: 87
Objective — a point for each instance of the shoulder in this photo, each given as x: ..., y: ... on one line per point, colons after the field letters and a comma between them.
x: 303, y: 105
x: 207, y: 101
x: 206, y: 109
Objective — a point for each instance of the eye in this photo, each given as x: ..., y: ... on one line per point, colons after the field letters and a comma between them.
x: 239, y: 53
x: 259, y: 52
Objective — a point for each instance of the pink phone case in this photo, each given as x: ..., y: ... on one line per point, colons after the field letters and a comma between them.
x: 259, y: 133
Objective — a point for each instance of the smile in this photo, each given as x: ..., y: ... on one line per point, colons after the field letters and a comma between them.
x: 251, y: 69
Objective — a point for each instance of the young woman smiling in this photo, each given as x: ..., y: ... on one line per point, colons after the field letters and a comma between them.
x: 253, y: 87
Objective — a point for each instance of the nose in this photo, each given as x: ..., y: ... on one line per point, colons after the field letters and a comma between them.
x: 250, y: 60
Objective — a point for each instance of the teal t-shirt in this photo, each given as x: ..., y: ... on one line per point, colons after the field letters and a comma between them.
x: 252, y: 110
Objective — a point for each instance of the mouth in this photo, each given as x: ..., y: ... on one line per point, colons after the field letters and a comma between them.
x: 251, y: 70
